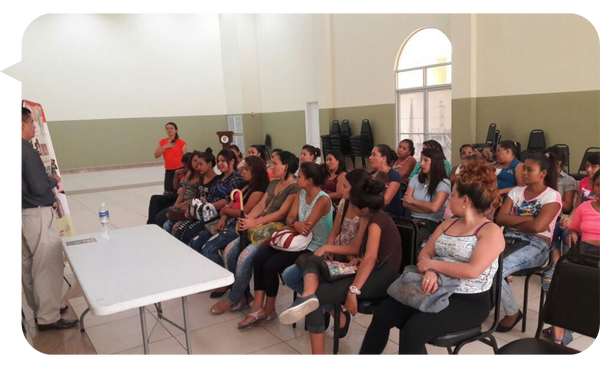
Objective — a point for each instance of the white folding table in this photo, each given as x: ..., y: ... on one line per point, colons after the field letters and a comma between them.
x: 140, y: 266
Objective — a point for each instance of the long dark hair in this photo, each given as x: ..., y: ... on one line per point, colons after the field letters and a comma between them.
x: 174, y: 126
x: 340, y: 158
x: 435, y: 144
x: 229, y: 156
x: 548, y: 164
x: 437, y: 170
x: 258, y: 170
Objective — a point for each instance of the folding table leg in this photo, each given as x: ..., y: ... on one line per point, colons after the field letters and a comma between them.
x: 144, y: 332
x: 81, y: 327
x: 186, y: 326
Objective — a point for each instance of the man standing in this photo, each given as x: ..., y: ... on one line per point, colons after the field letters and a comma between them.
x: 42, y: 260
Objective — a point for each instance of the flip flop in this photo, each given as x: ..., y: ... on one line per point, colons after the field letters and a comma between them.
x: 254, y: 321
x: 264, y: 319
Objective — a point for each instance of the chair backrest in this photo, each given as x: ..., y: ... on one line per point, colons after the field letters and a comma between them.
x: 408, y: 232
x: 335, y: 127
x: 588, y: 152
x: 537, y: 140
x: 497, y: 292
x: 574, y: 297
x: 345, y: 128
x: 491, y: 134
x: 565, y: 150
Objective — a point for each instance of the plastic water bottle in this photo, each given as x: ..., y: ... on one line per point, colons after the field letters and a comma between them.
x: 104, y: 221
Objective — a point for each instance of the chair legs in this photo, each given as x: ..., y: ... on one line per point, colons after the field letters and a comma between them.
x: 336, y: 327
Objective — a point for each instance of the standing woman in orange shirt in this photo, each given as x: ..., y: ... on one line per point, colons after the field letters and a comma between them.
x: 173, y: 149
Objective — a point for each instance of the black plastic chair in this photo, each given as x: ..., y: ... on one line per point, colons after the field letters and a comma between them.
x: 573, y: 304
x: 537, y: 141
x: 461, y: 338
x: 490, y: 139
x: 408, y: 234
x: 580, y: 174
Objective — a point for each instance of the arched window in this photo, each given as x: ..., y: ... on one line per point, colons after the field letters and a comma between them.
x: 424, y: 90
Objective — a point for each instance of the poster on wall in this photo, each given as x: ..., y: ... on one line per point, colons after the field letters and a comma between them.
x: 43, y: 144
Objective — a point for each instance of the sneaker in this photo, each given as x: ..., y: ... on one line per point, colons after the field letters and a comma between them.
x: 299, y: 308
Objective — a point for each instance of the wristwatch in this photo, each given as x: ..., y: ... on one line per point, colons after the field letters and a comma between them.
x: 354, y: 290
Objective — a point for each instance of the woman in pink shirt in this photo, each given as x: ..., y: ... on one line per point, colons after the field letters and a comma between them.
x: 584, y: 221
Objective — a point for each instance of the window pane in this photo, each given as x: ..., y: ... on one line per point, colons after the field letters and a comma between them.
x: 411, y: 79
x: 439, y: 124
x: 411, y: 113
x: 439, y: 75
x: 426, y: 47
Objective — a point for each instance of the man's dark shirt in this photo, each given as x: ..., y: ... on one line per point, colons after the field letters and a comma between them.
x: 36, y: 185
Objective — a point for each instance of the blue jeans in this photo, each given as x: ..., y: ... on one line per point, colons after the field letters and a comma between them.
x: 533, y: 255
x: 168, y: 226
x: 240, y: 262
x: 293, y: 277
x: 209, y: 245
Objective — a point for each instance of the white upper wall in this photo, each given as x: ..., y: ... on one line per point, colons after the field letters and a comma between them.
x: 107, y: 66
x: 365, y: 49
x: 103, y: 66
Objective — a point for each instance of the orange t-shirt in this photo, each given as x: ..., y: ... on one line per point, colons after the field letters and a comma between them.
x: 173, y: 155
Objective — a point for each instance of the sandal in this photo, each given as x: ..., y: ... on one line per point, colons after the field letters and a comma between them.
x: 254, y: 315
x: 264, y: 319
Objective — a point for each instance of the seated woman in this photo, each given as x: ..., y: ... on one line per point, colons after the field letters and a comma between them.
x: 343, y: 243
x: 381, y: 255
x: 567, y: 187
x: 269, y: 170
x: 471, y: 244
x: 190, y: 185
x: 529, y: 213
x: 509, y: 169
x: 584, y: 191
x: 427, y: 193
x: 585, y: 223
x: 382, y: 158
x: 309, y: 153
x: 432, y: 143
x: 218, y: 194
x: 239, y: 157
x: 465, y: 161
x: 259, y: 151
x: 336, y: 170
x: 159, y: 204
x: 273, y: 207
x: 406, y: 162
x: 465, y: 151
x: 311, y: 212
x: 255, y: 175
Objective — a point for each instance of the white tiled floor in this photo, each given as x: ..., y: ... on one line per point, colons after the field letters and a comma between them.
x: 121, y: 334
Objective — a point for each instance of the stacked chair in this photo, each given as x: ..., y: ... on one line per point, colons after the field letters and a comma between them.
x: 362, y: 145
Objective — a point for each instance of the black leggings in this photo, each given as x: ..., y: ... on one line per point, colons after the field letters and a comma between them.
x: 418, y: 328
x: 157, y: 204
x: 268, y: 264
x: 330, y: 293
x: 169, y: 175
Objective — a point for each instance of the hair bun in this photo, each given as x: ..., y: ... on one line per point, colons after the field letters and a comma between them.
x: 209, y: 150
x: 374, y: 187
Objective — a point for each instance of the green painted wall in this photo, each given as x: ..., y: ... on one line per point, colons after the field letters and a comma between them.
x: 97, y: 143
x: 286, y: 129
x: 572, y: 118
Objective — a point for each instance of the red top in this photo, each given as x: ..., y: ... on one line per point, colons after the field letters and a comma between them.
x: 173, y: 155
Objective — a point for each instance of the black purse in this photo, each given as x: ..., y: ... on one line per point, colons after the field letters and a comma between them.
x: 512, y: 245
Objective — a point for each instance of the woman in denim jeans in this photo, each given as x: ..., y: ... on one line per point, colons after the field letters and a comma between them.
x: 344, y: 239
x: 255, y: 174
x: 273, y: 207
x: 529, y: 213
